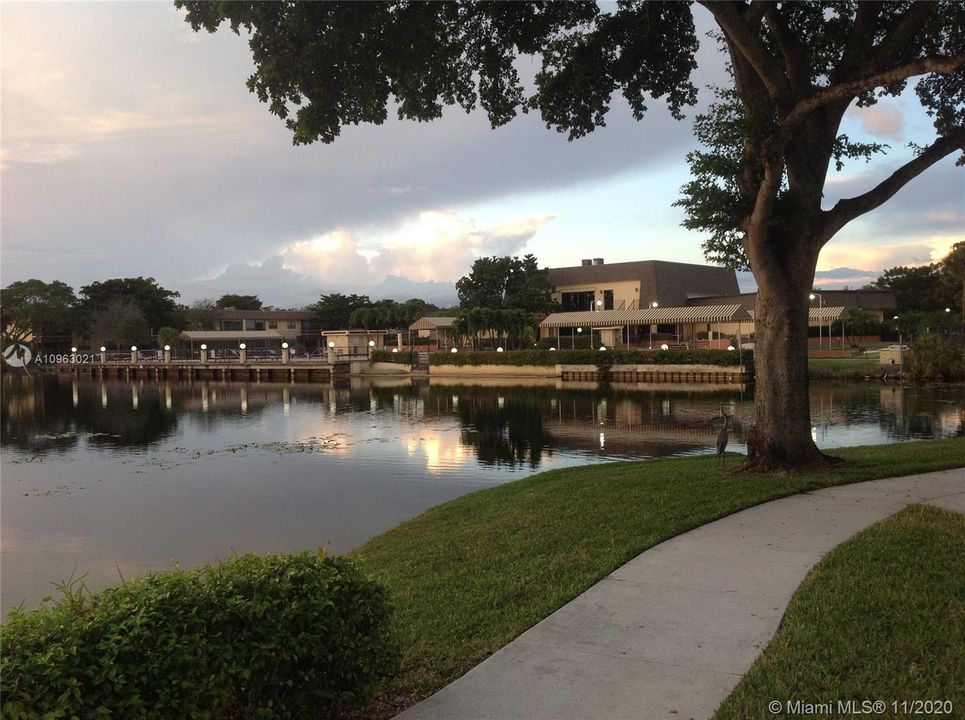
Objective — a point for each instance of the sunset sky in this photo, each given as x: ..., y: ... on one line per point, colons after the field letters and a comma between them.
x: 130, y: 146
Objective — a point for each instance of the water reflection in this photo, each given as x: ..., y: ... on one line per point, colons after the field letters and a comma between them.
x: 105, y: 474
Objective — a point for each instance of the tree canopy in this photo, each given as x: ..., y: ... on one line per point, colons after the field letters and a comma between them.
x: 155, y: 304
x: 797, y: 67
x: 335, y: 309
x: 37, y: 309
x: 508, y: 283
x: 921, y: 289
x: 238, y: 302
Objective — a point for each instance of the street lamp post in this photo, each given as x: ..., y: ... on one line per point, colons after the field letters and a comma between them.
x: 650, y: 325
x: 901, y: 351
x: 820, y: 321
x: 573, y: 337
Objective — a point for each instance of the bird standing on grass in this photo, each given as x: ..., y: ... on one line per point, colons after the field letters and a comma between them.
x: 721, y: 442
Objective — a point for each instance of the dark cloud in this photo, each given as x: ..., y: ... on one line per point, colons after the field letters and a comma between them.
x: 214, y: 180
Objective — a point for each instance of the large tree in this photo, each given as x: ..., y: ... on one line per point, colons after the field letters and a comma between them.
x: 922, y: 289
x: 155, y: 303
x: 37, y: 310
x: 953, y: 266
x: 238, y: 302
x: 506, y: 282
x: 797, y: 68
x: 335, y: 310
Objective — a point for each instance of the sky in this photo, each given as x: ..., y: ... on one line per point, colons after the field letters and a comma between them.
x: 131, y: 146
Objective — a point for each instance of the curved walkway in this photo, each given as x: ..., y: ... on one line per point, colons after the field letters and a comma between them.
x: 669, y: 634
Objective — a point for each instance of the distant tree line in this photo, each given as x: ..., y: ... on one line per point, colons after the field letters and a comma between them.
x: 922, y: 293
x: 137, y: 311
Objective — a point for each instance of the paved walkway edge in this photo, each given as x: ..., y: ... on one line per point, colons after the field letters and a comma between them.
x: 669, y: 634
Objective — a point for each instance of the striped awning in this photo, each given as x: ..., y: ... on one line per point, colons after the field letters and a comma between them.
x: 200, y: 335
x: 649, y: 316
x: 824, y: 314
x: 433, y: 323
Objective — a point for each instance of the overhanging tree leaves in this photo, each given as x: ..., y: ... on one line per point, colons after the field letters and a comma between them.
x: 797, y: 67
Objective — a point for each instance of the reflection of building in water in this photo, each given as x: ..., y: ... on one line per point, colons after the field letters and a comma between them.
x: 441, y: 452
x: 950, y: 421
x: 892, y: 400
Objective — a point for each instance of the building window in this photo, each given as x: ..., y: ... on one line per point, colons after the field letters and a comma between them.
x: 272, y: 324
x: 578, y: 301
x: 231, y: 325
x: 607, y: 299
x: 291, y: 325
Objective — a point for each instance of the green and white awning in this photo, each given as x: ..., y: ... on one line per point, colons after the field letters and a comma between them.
x: 649, y: 316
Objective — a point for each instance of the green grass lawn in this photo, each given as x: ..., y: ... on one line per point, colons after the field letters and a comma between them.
x: 845, y: 368
x: 881, y: 617
x: 470, y: 575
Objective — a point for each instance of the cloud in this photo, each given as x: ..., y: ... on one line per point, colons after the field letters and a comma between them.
x: 883, y: 120
x: 334, y: 254
x: 39, y: 153
x: 437, y: 245
x: 928, y: 250
x: 837, y: 278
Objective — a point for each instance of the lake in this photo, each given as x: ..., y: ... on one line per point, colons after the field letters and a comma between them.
x: 104, y: 479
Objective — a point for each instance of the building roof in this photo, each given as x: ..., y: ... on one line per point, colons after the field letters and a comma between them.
x: 649, y: 316
x: 430, y: 322
x: 354, y: 332
x: 669, y: 283
x: 232, y: 314
x: 203, y: 335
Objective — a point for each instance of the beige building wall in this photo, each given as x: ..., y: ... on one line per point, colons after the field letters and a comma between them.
x: 625, y: 292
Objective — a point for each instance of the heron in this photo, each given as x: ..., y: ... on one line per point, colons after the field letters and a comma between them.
x: 721, y: 442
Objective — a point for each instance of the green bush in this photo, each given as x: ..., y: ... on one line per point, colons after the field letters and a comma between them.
x: 593, y: 357
x: 279, y: 636
x: 934, y: 357
x: 387, y: 356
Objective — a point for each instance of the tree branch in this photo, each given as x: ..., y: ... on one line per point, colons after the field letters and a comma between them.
x: 904, y: 30
x: 860, y: 39
x: 935, y: 64
x: 736, y: 28
x: 847, y: 209
x: 793, y: 52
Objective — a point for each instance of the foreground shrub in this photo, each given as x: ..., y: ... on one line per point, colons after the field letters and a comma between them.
x: 934, y: 357
x: 278, y: 636
x: 594, y: 357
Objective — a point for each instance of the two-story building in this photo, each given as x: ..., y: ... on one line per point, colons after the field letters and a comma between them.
x: 595, y: 285
x: 259, y: 329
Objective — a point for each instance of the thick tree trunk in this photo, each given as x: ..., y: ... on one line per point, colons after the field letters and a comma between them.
x: 781, y: 437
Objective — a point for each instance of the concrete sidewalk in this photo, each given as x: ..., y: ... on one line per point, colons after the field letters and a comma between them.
x: 669, y: 634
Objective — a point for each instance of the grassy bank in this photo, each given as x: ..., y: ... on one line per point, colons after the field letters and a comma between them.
x: 856, y: 368
x: 879, y: 618
x: 470, y: 575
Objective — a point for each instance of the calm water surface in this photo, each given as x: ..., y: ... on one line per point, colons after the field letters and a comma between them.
x: 106, y: 479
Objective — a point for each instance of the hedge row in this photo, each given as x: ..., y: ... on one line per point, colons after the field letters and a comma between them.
x: 594, y: 357
x: 387, y: 356
x: 279, y: 636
